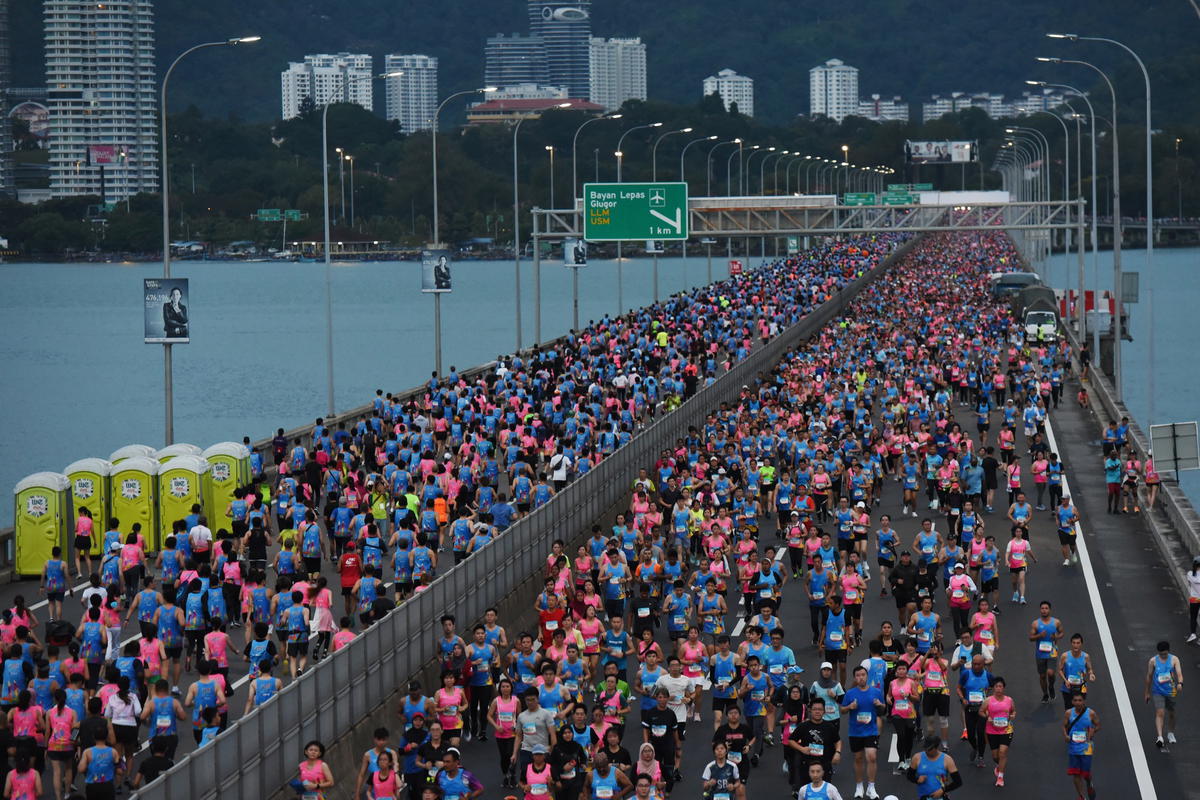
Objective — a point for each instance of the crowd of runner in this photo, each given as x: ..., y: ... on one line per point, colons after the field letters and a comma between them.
x: 664, y: 625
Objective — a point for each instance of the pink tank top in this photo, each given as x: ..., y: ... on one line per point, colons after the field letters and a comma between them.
x: 148, y: 652
x: 506, y: 715
x: 60, y: 728
x: 24, y: 784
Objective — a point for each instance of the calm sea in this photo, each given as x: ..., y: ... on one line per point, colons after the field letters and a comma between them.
x: 1175, y: 282
x: 78, y: 380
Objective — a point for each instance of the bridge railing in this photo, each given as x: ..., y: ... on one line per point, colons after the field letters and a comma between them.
x: 258, y: 753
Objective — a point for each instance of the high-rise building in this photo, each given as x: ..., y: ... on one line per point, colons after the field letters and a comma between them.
x: 732, y: 88
x: 6, y: 166
x: 412, y: 97
x: 513, y: 60
x: 565, y: 28
x: 833, y: 90
x: 325, y: 78
x: 102, y: 94
x: 880, y: 110
x: 618, y: 71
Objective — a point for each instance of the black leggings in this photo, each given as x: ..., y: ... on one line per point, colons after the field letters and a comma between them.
x: 961, y: 619
x: 1193, y: 612
x: 817, y: 617
x: 505, y: 746
x: 481, y: 699
x: 975, y: 729
x: 906, y: 733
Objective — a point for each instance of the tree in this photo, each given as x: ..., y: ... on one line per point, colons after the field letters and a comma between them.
x: 307, y: 107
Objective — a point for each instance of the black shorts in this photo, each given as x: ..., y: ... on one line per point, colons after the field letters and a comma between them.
x: 998, y: 740
x: 297, y: 649
x: 903, y: 599
x: 523, y: 508
x: 846, y: 545
x: 174, y: 652
x: 935, y: 704
x: 990, y: 585
x: 854, y: 612
x: 1045, y: 664
x: 1016, y: 570
x: 126, y: 734
x: 835, y: 657
x: 55, y: 597
x: 65, y: 756
x: 723, y: 704
x: 886, y: 562
x: 778, y: 695
x: 83, y: 545
x: 860, y: 743
x: 312, y: 564
x: 1066, y: 538
x: 347, y: 591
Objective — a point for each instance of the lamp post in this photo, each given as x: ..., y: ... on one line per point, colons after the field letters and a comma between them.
x: 1066, y: 171
x: 654, y: 151
x: 350, y: 158
x: 1116, y: 215
x: 713, y: 138
x: 341, y: 181
x: 1095, y: 214
x: 1044, y: 145
x: 620, y: 154
x: 775, y: 174
x: 807, y: 167
x: 574, y: 150
x: 550, y: 150
x: 766, y: 153
x: 708, y: 169
x: 729, y: 169
x: 437, y: 238
x: 168, y: 370
x: 1149, y: 208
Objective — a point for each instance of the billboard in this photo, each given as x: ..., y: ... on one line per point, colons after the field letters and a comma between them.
x: 168, y: 320
x: 99, y: 154
x: 574, y: 253
x: 735, y: 266
x: 940, y: 152
x: 435, y: 271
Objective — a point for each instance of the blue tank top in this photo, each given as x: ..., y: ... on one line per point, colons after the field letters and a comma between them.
x: 193, y: 612
x: 102, y: 765
x: 41, y: 692
x: 91, y: 649
x: 13, y: 680
x: 604, y: 787
x: 264, y: 690
x: 206, y: 697
x: 1079, y: 743
x: 168, y: 627
x: 930, y: 772
x: 1163, y: 680
x: 163, y: 716
x: 816, y: 794
x: 756, y: 701
x: 56, y: 577
x: 366, y: 593
x: 724, y: 671
x: 412, y: 707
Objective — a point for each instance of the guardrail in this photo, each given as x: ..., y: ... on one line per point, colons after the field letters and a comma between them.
x: 258, y: 753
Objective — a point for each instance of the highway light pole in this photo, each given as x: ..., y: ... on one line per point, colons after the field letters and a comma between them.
x: 168, y: 368
x: 574, y: 148
x: 654, y: 151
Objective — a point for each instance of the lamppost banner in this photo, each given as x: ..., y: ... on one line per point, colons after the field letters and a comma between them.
x: 167, y: 313
x: 435, y: 271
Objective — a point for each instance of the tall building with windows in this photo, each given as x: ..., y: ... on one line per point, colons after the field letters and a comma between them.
x: 412, y: 97
x: 7, y: 186
x: 565, y: 28
x: 336, y: 78
x: 732, y: 88
x: 102, y: 91
x: 513, y: 60
x: 618, y: 71
x: 833, y: 90
x: 881, y: 110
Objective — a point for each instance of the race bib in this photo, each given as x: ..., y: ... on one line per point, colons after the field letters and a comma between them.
x: 1045, y: 647
x: 835, y: 636
x: 958, y: 594
x: 776, y: 669
x: 1078, y: 737
x: 603, y: 792
x: 539, y: 789
x: 679, y: 620
x: 902, y: 706
x: 758, y: 695
x: 1000, y: 722
x: 529, y: 728
x: 974, y: 698
x: 863, y: 717
x: 985, y: 634
x: 658, y: 730
x: 643, y: 612
x: 551, y: 624
x: 851, y: 595
x: 765, y: 593
x: 817, y: 750
x: 590, y: 641
x: 163, y: 722
x: 505, y: 717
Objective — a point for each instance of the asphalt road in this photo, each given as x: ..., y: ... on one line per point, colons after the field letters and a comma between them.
x: 1119, y: 598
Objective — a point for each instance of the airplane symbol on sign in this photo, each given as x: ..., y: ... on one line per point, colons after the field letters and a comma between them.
x: 658, y: 198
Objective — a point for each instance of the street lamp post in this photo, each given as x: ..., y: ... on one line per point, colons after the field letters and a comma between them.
x: 620, y: 154
x: 350, y: 158
x: 1117, y: 231
x: 341, y: 181
x: 517, y: 232
x: 168, y: 370
x: 1149, y: 210
x: 729, y: 170
x: 708, y: 166
x: 775, y: 173
x: 654, y: 151
x: 550, y: 150
x: 437, y: 238
x: 713, y: 138
x: 574, y: 148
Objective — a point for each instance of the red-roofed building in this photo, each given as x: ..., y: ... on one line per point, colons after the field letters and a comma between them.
x: 511, y: 110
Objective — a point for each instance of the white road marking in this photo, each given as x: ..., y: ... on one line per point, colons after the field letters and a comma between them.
x: 1141, y: 769
x: 894, y: 750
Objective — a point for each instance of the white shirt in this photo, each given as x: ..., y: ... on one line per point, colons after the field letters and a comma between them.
x: 122, y: 713
x: 1193, y: 584
x: 964, y: 655
x: 200, y: 537
x: 86, y: 597
x: 678, y: 687
x: 560, y: 466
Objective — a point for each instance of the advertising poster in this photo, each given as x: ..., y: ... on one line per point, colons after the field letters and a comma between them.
x: 574, y: 253
x: 435, y: 271
x: 168, y: 318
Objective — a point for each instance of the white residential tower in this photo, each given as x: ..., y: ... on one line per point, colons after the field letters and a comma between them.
x: 412, y: 97
x: 618, y: 71
x: 337, y: 78
x: 732, y: 88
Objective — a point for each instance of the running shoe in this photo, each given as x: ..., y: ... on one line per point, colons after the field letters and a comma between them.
x: 1016, y: 596
x: 1000, y: 780
x: 1158, y: 743
x: 964, y: 738
x: 1171, y: 738
x: 1191, y: 638
x: 1066, y: 562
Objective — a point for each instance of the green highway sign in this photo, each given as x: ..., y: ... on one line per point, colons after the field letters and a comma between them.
x: 858, y: 199
x: 900, y: 199
x: 899, y: 187
x: 615, y: 212
x: 269, y: 215
x: 293, y: 215
x: 922, y: 187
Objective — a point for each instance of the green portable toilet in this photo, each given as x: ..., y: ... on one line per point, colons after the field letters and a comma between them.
x: 180, y: 486
x: 133, y: 494
x: 173, y: 450
x: 229, y: 468
x: 90, y: 489
x: 130, y: 451
x: 42, y: 514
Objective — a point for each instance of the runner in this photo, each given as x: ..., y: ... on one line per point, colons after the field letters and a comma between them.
x: 1080, y: 726
x: 998, y: 713
x: 1164, y: 682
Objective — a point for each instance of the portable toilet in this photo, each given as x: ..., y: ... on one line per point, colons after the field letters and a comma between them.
x: 180, y: 486
x: 133, y: 494
x: 90, y: 489
x: 42, y: 515
x: 130, y: 451
x: 172, y: 450
x: 229, y: 468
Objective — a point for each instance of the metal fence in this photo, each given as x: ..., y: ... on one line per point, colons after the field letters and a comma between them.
x: 258, y: 753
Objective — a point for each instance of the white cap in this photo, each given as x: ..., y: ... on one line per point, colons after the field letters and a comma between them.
x: 826, y: 665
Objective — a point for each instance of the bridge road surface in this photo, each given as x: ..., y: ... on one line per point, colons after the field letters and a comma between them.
x: 1140, y: 607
